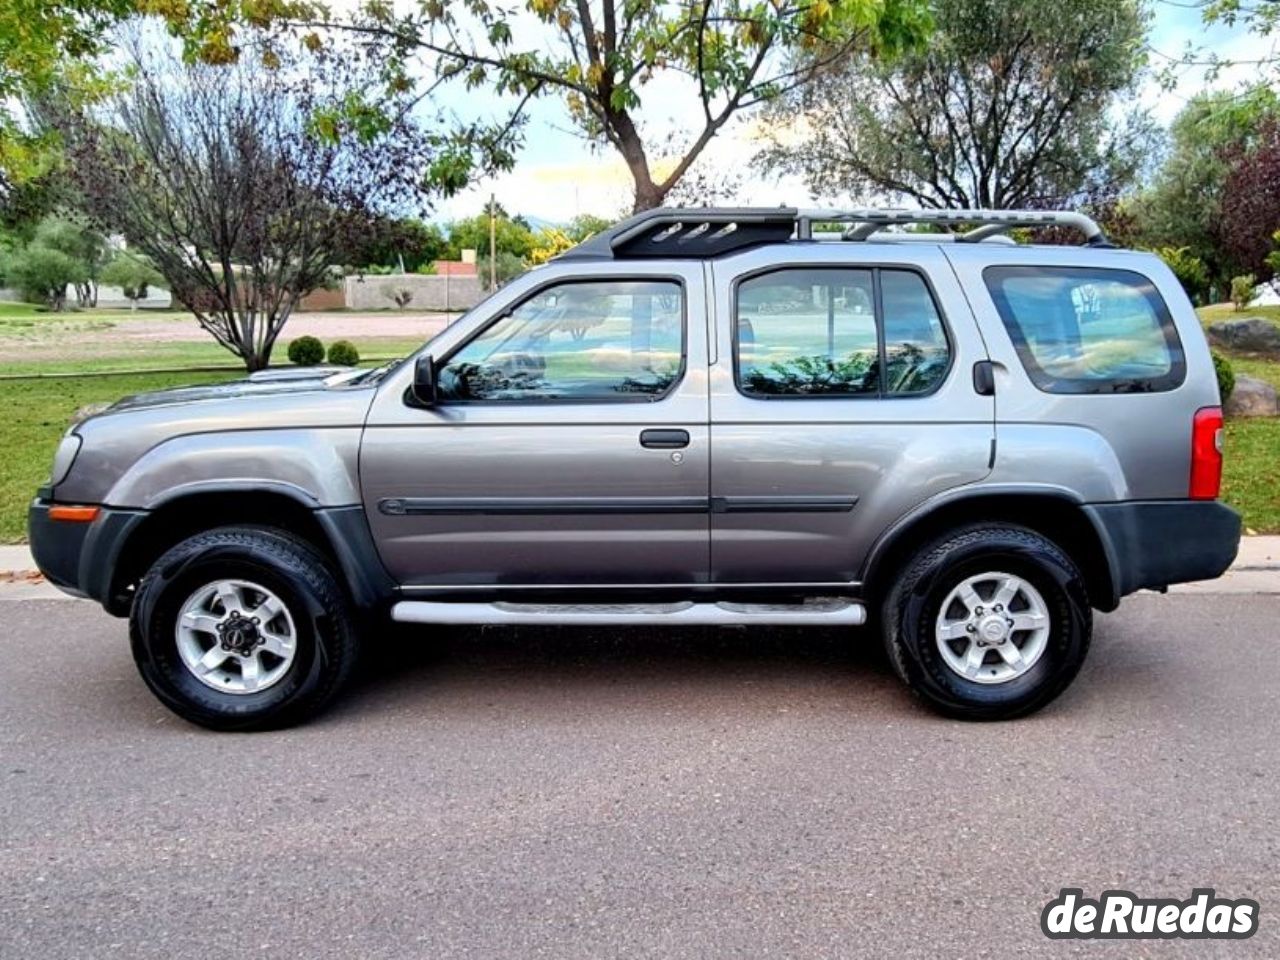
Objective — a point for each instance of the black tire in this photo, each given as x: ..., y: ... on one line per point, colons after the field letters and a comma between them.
x: 326, y: 639
x: 912, y: 607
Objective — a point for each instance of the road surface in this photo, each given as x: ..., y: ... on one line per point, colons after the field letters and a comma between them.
x: 647, y: 793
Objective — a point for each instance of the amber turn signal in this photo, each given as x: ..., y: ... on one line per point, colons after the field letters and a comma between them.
x: 74, y: 514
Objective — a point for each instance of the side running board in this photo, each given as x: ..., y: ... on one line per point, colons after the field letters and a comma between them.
x: 818, y: 612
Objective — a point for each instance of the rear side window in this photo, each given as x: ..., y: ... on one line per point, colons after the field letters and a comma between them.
x: 1087, y: 330
x: 838, y: 332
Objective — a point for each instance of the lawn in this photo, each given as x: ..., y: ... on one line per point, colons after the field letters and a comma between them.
x: 37, y: 413
x: 1226, y: 311
x: 1251, y: 479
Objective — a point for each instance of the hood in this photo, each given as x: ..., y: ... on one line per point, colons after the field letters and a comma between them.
x: 268, y: 383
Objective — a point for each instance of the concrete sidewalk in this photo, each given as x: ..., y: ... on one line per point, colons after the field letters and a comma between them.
x: 1256, y: 570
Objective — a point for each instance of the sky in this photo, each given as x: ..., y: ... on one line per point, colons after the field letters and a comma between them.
x: 558, y: 175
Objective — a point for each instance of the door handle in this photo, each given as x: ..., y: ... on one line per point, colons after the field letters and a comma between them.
x: 984, y: 378
x: 664, y: 439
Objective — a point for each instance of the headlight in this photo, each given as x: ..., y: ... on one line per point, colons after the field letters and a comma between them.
x: 64, y: 458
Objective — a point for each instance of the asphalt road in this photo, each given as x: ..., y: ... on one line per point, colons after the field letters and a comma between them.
x: 635, y: 794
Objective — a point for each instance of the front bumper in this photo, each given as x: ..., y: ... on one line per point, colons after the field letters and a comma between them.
x: 1153, y: 543
x: 81, y: 558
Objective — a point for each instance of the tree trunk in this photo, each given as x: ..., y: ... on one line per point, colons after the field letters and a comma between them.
x: 647, y: 197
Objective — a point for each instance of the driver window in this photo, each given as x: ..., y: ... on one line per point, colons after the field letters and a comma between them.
x: 611, y: 340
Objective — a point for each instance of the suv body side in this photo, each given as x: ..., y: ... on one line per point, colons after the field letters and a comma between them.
x: 859, y: 473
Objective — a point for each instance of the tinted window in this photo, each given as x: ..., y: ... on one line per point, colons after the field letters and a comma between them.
x: 1086, y: 330
x: 915, y: 345
x: 817, y: 332
x: 599, y: 341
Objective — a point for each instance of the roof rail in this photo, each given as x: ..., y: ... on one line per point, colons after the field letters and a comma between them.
x: 702, y: 232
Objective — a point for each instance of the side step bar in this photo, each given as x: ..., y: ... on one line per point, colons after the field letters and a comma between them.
x: 823, y: 612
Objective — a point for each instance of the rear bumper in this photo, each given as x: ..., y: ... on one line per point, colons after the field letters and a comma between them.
x: 80, y: 558
x: 1151, y: 544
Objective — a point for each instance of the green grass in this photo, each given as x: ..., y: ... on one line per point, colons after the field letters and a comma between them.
x: 1225, y: 311
x: 1252, y: 457
x: 37, y: 413
x: 1252, y: 464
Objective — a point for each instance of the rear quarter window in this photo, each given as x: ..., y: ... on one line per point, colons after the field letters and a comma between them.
x: 1088, y: 330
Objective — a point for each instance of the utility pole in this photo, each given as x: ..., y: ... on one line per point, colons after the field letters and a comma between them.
x: 493, y: 243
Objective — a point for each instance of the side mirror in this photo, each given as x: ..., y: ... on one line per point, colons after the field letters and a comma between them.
x: 425, y: 389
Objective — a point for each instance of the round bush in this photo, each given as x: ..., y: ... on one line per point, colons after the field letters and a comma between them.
x: 306, y: 351
x: 344, y: 353
x: 1226, y: 376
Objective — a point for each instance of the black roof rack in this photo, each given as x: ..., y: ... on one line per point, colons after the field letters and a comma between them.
x: 703, y: 232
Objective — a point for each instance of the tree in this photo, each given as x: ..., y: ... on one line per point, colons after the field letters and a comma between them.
x: 134, y: 276
x: 1013, y: 104
x: 511, y: 236
x: 403, y: 242
x: 74, y: 237
x: 62, y: 252
x: 43, y: 274
x: 1183, y: 206
x: 1251, y: 201
x: 599, y: 56
x: 243, y: 184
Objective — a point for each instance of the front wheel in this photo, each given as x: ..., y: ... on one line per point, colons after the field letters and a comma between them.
x: 242, y: 628
x: 988, y: 623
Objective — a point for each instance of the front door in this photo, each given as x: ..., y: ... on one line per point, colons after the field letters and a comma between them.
x: 570, y: 444
x: 843, y: 395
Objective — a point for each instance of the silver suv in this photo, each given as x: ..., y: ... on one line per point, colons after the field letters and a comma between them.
x: 737, y: 416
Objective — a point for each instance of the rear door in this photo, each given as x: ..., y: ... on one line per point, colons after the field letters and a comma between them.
x: 842, y: 395
x: 570, y: 446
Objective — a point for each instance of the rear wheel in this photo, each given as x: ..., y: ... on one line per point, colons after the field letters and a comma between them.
x: 988, y: 623
x: 242, y: 628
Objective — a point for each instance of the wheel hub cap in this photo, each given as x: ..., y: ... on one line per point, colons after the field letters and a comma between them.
x: 239, y: 634
x: 993, y: 629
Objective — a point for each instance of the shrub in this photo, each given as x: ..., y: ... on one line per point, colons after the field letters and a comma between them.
x: 1189, y: 269
x: 402, y: 296
x: 344, y: 353
x: 1226, y: 376
x: 1243, y: 290
x: 306, y: 351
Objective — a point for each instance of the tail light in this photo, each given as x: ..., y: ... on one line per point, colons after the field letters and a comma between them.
x: 1206, y: 453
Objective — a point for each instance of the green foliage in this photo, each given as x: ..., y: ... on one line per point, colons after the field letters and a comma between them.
x: 1243, y: 290
x: 411, y: 242
x: 43, y: 274
x: 1183, y: 205
x: 509, y: 266
x: 586, y: 225
x: 306, y: 351
x: 343, y: 353
x: 1190, y: 270
x: 511, y: 236
x: 61, y: 253
x: 600, y: 58
x: 133, y: 274
x: 1012, y: 103
x: 1226, y: 375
